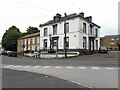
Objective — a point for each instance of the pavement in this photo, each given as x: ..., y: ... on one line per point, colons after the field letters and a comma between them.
x: 91, y: 71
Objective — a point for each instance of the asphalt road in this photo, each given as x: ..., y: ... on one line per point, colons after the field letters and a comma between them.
x: 101, y: 60
x: 94, y: 71
x: 24, y: 79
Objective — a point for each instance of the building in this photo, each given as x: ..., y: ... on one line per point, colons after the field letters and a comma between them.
x: 0, y: 47
x: 82, y: 33
x: 111, y: 41
x: 29, y: 42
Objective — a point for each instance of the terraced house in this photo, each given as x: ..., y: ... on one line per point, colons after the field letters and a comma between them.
x: 82, y: 33
x: 29, y: 42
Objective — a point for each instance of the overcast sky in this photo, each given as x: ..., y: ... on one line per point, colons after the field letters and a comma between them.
x: 25, y: 13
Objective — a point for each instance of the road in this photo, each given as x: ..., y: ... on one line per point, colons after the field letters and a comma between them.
x: 101, y: 60
x: 94, y: 71
x: 32, y: 80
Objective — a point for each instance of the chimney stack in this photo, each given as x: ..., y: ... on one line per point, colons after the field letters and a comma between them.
x: 81, y: 14
x: 57, y: 17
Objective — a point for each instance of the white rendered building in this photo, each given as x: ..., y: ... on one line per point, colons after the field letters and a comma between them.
x: 82, y: 33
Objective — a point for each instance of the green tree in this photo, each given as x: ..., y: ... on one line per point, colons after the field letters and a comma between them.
x: 9, y: 39
x: 32, y: 30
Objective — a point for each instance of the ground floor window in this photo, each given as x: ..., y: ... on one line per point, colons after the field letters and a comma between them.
x: 55, y: 44
x: 84, y: 43
x: 67, y: 42
x: 96, y: 44
x: 45, y: 44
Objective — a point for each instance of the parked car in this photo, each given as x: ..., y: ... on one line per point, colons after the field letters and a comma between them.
x: 103, y: 49
x: 12, y: 54
x: 109, y: 49
x: 4, y: 52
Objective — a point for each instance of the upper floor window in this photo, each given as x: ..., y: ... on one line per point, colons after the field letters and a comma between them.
x: 28, y: 40
x: 112, y: 39
x: 55, y: 29
x: 45, y: 31
x: 67, y: 27
x: 25, y: 41
x: 91, y: 31
x: 96, y: 32
x: 84, y: 27
x: 38, y: 40
x: 33, y: 40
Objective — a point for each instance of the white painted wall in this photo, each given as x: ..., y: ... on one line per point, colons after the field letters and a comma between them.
x: 75, y: 34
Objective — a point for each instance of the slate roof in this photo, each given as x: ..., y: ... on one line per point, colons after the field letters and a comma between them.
x: 111, y: 36
x: 30, y: 35
x: 71, y: 16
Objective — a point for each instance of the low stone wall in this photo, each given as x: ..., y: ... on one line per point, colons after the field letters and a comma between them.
x: 47, y: 55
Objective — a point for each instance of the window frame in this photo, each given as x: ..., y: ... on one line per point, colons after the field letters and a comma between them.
x: 45, y: 32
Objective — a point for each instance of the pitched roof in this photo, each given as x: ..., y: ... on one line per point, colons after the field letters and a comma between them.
x: 71, y: 16
x: 30, y: 35
x: 111, y: 36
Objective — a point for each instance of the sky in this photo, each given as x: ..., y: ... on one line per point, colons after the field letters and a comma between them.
x: 25, y: 13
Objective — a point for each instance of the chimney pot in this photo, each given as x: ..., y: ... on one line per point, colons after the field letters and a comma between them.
x: 82, y: 14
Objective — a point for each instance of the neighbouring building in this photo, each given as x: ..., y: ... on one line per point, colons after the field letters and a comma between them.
x: 111, y: 41
x: 29, y: 42
x: 82, y: 33
x: 0, y: 47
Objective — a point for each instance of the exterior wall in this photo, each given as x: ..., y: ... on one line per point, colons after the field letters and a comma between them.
x: 75, y: 34
x: 31, y: 43
x: 110, y: 42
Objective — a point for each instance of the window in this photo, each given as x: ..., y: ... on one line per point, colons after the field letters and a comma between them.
x: 28, y: 40
x: 45, y: 31
x: 28, y: 47
x: 112, y: 39
x: 112, y: 43
x: 25, y: 41
x: 84, y: 43
x: 91, y: 30
x: 45, y: 44
x: 96, y: 32
x: 84, y: 27
x: 38, y: 40
x: 67, y: 42
x: 117, y: 38
x: 96, y: 44
x: 55, y: 29
x: 33, y: 40
x: 55, y: 42
x: 67, y: 27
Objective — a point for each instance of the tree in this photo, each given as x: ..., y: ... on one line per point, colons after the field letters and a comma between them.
x: 32, y: 30
x: 9, y: 39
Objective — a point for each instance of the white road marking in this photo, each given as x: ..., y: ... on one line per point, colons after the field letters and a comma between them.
x: 46, y: 66
x: 27, y: 66
x: 109, y: 68
x: 82, y: 67
x: 36, y: 66
x: 69, y: 67
x: 57, y: 67
x: 7, y: 66
x: 95, y: 68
